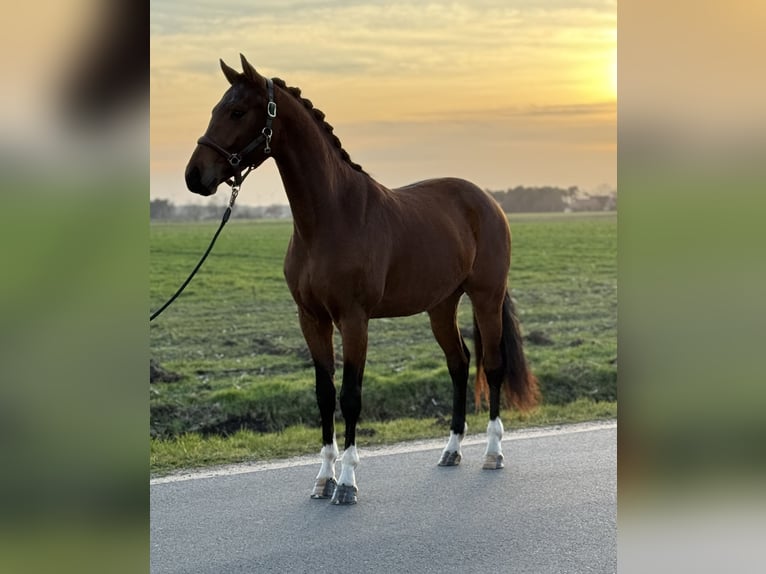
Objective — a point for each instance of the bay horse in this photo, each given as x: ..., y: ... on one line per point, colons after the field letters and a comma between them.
x: 360, y: 251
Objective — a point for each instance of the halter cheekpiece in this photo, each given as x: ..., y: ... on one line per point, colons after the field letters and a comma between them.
x: 235, y: 159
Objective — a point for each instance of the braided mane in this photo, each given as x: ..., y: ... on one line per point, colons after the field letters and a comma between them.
x: 319, y: 117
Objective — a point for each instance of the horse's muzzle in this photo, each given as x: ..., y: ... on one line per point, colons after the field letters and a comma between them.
x: 194, y: 182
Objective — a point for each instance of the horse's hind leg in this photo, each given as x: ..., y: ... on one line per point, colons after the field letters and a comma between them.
x: 488, y: 315
x: 444, y: 326
x: 318, y: 335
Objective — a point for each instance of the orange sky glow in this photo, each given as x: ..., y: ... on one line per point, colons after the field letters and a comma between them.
x: 500, y: 92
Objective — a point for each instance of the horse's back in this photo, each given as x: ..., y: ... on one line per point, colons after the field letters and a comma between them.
x: 441, y: 186
x: 450, y: 194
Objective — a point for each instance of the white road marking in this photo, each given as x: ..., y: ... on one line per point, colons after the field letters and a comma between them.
x: 400, y: 448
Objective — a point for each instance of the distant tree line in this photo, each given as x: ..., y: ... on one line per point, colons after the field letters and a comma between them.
x: 165, y: 210
x: 513, y: 200
x: 545, y: 199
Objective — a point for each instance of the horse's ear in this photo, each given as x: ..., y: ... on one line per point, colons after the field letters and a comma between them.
x: 250, y: 72
x: 230, y: 73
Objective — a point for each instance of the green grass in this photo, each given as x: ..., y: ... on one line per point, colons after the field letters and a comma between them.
x: 234, y: 339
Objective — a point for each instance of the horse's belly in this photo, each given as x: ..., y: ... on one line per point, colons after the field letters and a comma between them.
x: 414, y: 297
x: 396, y: 309
x: 423, y: 274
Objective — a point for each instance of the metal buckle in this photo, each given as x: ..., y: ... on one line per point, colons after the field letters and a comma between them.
x: 271, y: 109
x: 234, y: 160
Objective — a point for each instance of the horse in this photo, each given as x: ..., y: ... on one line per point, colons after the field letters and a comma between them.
x: 361, y: 251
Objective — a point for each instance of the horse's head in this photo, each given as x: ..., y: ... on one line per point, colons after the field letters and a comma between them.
x: 239, y: 133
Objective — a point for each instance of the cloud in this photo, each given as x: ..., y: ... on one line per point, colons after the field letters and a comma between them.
x: 530, y: 72
x: 375, y: 37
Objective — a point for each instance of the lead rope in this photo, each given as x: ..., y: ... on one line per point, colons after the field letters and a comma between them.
x: 234, y: 160
x: 226, y: 214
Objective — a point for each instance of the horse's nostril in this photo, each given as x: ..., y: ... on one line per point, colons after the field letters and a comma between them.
x: 193, y: 179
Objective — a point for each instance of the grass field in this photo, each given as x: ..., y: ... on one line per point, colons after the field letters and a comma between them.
x: 233, y: 337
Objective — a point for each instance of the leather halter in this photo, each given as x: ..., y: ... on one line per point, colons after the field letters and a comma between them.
x: 235, y: 159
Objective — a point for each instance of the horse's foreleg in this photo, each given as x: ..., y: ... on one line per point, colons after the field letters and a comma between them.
x: 458, y: 370
x: 346, y: 490
x: 452, y: 455
x: 354, y: 334
x: 318, y: 335
x: 324, y: 485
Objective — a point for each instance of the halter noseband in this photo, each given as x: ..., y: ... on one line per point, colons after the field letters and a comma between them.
x: 235, y: 159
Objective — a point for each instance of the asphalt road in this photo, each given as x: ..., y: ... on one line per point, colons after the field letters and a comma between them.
x: 552, y: 509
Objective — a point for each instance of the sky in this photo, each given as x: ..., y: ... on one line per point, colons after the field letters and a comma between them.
x: 500, y: 92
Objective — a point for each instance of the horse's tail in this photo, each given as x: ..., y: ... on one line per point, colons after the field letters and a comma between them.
x: 521, y: 388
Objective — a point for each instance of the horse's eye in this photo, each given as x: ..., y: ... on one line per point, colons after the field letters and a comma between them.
x: 236, y: 114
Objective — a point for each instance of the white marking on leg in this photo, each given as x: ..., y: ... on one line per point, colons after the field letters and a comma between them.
x: 329, y: 455
x: 494, y: 436
x: 453, y: 444
x: 348, y: 464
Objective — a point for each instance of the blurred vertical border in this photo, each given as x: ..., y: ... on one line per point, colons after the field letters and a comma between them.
x: 692, y: 279
x: 74, y: 190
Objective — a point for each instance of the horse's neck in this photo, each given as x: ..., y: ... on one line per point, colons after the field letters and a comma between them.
x: 317, y: 180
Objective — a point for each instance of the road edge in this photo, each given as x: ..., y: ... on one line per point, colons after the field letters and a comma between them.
x: 383, y: 450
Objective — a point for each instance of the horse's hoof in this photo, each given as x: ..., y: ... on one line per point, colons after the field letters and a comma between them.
x: 323, y: 488
x: 450, y: 458
x: 344, y: 494
x: 493, y: 462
